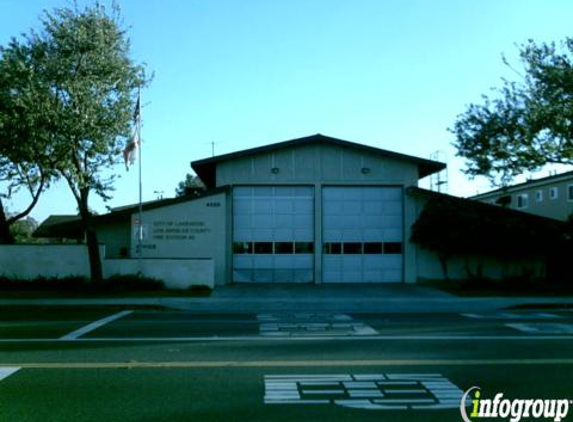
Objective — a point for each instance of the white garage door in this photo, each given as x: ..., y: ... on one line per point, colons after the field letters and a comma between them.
x: 363, y: 234
x: 273, y: 236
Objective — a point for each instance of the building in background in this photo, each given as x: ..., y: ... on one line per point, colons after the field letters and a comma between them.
x: 550, y: 196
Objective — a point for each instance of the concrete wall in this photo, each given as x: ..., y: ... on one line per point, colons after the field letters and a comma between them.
x: 193, y: 229
x: 176, y: 273
x: 32, y: 261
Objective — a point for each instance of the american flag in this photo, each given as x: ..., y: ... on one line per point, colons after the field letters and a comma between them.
x: 130, y: 150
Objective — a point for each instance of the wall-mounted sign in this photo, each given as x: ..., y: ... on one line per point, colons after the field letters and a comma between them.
x: 140, y: 231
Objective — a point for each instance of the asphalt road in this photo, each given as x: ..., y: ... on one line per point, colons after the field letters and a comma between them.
x: 140, y: 365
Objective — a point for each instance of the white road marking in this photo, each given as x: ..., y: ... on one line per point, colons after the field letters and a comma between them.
x: 513, y: 315
x: 364, y: 391
x: 302, y: 324
x: 5, y: 372
x: 291, y: 381
x: 303, y: 316
x: 295, y: 338
x: 74, y: 335
x: 543, y: 327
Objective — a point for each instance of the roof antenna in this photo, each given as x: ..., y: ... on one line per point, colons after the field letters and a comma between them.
x: 439, y: 180
x: 212, y: 143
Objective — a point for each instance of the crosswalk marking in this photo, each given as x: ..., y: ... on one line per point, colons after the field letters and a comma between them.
x: 512, y: 315
x: 5, y: 372
x: 543, y: 327
x: 94, y: 325
x: 311, y: 324
x: 364, y: 391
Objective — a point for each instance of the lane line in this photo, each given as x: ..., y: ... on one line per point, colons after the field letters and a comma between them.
x: 5, y: 372
x: 283, y: 364
x: 216, y: 338
x: 74, y: 335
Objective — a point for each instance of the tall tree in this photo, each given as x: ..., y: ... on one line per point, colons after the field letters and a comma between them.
x: 192, y: 185
x: 83, y: 62
x: 526, y: 124
x: 25, y: 116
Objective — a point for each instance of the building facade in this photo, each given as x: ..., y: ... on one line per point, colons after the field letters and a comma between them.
x: 310, y: 210
x: 550, y: 196
x: 318, y: 209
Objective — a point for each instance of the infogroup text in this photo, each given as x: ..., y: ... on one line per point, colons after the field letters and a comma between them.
x: 514, y: 409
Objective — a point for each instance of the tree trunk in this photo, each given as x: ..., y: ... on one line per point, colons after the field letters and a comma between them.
x: 6, y: 237
x: 96, y: 273
x: 444, y: 263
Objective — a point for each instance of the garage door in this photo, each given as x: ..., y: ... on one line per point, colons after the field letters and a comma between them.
x: 363, y: 233
x: 273, y: 234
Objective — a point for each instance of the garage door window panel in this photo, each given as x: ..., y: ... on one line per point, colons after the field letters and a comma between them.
x: 241, y: 248
x: 263, y: 248
x: 304, y: 248
x: 284, y: 248
x: 352, y: 248
x: 373, y: 248
x: 332, y: 248
x: 393, y: 248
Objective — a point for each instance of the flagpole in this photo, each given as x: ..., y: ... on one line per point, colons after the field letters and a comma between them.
x: 140, y: 237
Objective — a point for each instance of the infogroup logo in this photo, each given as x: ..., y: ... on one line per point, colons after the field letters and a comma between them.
x: 514, y: 409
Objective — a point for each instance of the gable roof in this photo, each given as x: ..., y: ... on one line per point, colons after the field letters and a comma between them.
x: 206, y: 168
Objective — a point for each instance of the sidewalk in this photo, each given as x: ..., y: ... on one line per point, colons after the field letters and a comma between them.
x: 390, y: 298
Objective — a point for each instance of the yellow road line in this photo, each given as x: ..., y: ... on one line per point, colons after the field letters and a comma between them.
x: 284, y: 364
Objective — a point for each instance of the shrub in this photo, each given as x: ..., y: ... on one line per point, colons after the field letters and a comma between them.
x: 115, y: 283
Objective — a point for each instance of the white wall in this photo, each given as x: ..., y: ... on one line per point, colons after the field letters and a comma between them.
x: 175, y: 273
x: 33, y: 261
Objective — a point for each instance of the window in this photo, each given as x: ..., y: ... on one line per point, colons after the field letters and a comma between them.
x: 240, y: 248
x: 393, y: 248
x: 522, y: 200
x: 303, y: 247
x: 284, y: 248
x: 332, y: 248
x: 570, y: 193
x: 352, y: 248
x: 263, y: 248
x: 366, y: 248
x: 539, y: 196
x: 553, y: 192
x: 373, y: 248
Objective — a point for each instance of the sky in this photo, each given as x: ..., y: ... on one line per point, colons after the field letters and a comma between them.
x: 393, y: 74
